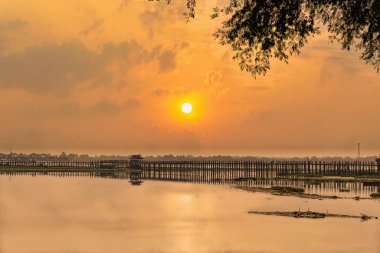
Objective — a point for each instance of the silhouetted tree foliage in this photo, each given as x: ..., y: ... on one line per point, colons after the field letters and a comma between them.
x: 258, y: 30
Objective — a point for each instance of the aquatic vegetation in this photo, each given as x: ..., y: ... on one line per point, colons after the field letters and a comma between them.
x: 281, y: 189
x: 313, y: 215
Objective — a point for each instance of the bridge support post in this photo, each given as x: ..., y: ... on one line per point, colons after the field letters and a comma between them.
x: 378, y: 165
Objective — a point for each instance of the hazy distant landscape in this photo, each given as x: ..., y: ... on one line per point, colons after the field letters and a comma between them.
x: 170, y: 157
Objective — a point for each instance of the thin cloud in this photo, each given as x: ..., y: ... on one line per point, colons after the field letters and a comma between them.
x: 160, y: 92
x: 167, y: 61
x: 106, y: 107
x: 95, y: 26
x: 59, y: 67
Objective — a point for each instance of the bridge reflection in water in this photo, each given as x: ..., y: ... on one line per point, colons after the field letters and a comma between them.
x: 137, y: 177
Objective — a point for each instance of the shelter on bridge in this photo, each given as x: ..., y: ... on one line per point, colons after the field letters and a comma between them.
x: 135, y: 161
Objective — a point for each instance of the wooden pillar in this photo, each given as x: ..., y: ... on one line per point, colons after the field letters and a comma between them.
x: 378, y: 165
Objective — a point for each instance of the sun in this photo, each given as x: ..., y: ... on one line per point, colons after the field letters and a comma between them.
x: 187, y: 108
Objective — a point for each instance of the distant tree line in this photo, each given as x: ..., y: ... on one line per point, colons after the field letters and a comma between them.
x: 169, y: 157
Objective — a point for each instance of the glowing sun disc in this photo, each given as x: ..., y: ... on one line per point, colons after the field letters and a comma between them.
x: 187, y: 108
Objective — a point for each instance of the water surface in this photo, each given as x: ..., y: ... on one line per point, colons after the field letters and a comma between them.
x: 83, y: 214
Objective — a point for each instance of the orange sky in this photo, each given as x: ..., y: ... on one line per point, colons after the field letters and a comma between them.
x: 109, y: 76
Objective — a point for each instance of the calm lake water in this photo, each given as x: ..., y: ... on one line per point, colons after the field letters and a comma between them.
x: 82, y: 214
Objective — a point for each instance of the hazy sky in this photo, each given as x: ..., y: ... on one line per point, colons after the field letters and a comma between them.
x: 109, y: 76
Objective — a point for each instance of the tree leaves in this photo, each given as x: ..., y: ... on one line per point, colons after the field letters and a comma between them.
x: 259, y: 30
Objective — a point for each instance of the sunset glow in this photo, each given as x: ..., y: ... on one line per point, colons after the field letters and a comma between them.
x: 202, y: 126
x: 111, y: 77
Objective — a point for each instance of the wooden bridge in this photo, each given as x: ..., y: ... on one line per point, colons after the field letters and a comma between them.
x: 265, y: 169
x: 210, y: 169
